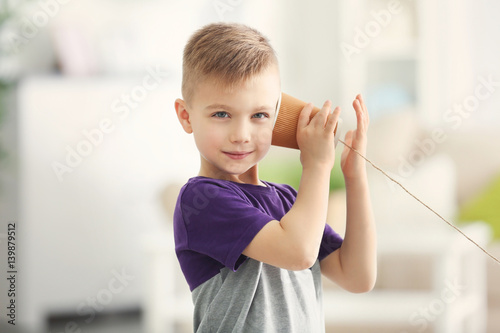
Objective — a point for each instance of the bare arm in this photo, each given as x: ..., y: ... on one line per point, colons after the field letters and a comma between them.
x: 293, y: 243
x: 354, y: 265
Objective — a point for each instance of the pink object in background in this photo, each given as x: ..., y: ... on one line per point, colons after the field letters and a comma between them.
x: 73, y: 51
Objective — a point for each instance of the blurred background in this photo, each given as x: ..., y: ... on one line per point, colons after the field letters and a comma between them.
x: 92, y: 156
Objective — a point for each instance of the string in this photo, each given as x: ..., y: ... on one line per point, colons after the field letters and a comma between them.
x: 432, y: 210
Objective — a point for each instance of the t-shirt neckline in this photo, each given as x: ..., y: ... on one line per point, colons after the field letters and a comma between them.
x: 266, y: 188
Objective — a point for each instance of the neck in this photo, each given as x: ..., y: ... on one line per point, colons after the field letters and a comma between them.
x: 251, y: 176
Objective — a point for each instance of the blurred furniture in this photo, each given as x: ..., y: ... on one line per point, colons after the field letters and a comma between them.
x: 81, y: 229
x: 167, y: 299
x: 455, y: 302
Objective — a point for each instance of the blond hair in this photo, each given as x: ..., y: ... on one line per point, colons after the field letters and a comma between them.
x: 228, y: 53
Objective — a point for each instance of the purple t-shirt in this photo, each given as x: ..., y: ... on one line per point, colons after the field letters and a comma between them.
x: 215, y: 220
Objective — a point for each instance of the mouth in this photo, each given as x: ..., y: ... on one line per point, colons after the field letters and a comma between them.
x: 237, y: 155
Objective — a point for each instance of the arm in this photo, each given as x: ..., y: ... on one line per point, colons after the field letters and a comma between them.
x: 293, y: 243
x: 354, y: 265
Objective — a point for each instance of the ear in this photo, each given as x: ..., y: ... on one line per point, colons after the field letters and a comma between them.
x: 183, y: 115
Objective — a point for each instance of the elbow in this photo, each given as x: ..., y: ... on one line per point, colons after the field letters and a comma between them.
x: 363, y: 286
x: 308, y: 262
x: 304, y: 265
x: 303, y: 260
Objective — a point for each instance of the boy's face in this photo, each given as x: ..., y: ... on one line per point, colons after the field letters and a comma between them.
x: 232, y: 130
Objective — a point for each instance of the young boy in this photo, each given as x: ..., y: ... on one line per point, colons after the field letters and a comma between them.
x: 253, y: 251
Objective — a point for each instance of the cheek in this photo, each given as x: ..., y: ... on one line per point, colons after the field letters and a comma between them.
x: 206, y: 140
x: 264, y: 136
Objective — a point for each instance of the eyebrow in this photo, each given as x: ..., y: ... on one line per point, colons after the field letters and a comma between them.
x: 218, y: 106
x: 227, y: 107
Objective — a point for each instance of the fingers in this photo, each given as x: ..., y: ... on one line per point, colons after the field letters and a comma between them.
x: 362, y: 116
x: 321, y: 117
x: 304, y: 116
x: 348, y: 137
x: 348, y: 140
x: 332, y: 120
x: 362, y: 102
x: 359, y: 114
x: 324, y: 119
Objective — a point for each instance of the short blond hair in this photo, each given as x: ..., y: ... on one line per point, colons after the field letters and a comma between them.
x: 228, y: 53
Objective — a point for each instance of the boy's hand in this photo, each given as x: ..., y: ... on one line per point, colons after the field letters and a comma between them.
x: 352, y: 165
x: 316, y: 137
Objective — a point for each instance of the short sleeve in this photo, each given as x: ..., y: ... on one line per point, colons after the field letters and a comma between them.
x: 330, y: 242
x: 220, y: 222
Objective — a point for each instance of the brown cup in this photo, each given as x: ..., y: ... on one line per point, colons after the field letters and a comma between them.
x: 285, y: 128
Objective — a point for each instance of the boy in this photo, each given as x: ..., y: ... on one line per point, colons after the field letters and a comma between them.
x: 253, y: 251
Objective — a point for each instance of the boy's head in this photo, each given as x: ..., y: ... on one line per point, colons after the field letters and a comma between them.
x: 230, y: 87
x: 227, y: 54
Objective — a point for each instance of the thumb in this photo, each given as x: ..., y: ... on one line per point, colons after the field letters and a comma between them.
x: 348, y: 141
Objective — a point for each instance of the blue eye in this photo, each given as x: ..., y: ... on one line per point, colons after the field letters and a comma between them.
x: 260, y: 115
x: 220, y: 114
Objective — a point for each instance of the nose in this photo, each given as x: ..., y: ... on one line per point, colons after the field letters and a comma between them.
x: 240, y: 132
